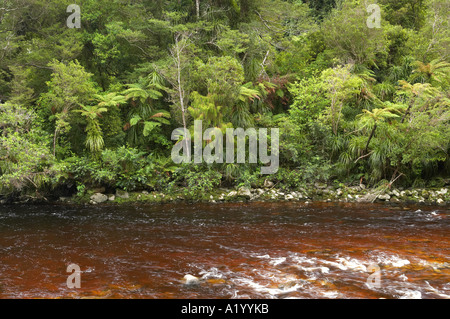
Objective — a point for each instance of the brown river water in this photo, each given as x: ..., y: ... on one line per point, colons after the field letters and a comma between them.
x: 238, y: 250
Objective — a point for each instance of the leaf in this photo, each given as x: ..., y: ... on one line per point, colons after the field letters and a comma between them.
x: 134, y: 120
x: 149, y: 127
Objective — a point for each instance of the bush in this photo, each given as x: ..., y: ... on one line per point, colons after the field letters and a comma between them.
x: 196, y: 180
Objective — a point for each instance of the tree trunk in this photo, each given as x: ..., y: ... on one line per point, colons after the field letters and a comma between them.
x: 370, y: 137
x: 197, y: 8
x: 181, y: 92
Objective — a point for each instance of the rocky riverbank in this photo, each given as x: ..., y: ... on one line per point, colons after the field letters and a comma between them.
x: 317, y: 192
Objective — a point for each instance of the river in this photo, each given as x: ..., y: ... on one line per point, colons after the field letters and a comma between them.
x: 237, y: 250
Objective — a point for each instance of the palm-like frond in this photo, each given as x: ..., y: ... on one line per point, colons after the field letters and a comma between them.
x: 436, y: 70
x: 110, y: 99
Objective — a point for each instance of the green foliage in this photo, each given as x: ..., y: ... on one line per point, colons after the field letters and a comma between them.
x: 96, y: 106
x: 25, y: 159
x: 195, y: 181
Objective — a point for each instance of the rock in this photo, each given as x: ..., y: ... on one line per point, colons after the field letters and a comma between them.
x: 368, y: 198
x: 289, y: 197
x: 232, y: 194
x: 111, y: 198
x: 354, y: 189
x: 385, y: 197
x: 395, y: 193
x: 320, y: 185
x: 190, y: 280
x: 339, y: 192
x: 443, y: 191
x: 145, y: 192
x: 122, y: 194
x: 99, y: 198
x: 244, y: 192
x: 440, y: 201
x: 268, y: 183
x: 64, y: 199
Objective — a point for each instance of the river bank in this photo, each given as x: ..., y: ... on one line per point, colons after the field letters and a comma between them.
x: 317, y: 192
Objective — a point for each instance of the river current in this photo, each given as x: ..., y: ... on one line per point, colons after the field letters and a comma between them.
x: 236, y: 250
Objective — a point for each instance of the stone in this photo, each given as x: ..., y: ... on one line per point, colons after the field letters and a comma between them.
x: 232, y: 194
x: 368, y: 198
x: 339, y: 192
x: 145, y: 192
x: 268, y: 183
x: 122, y: 194
x: 385, y: 197
x: 440, y: 201
x: 99, y: 198
x: 289, y: 197
x: 443, y: 191
x: 190, y: 280
x: 320, y: 185
x: 395, y: 193
x: 244, y: 192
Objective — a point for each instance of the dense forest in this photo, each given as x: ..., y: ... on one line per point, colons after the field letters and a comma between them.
x: 95, y: 106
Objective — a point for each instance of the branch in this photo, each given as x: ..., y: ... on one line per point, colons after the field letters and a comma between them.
x: 361, y: 157
x: 267, y: 25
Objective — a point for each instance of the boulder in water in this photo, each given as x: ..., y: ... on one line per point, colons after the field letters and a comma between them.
x: 190, y: 280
